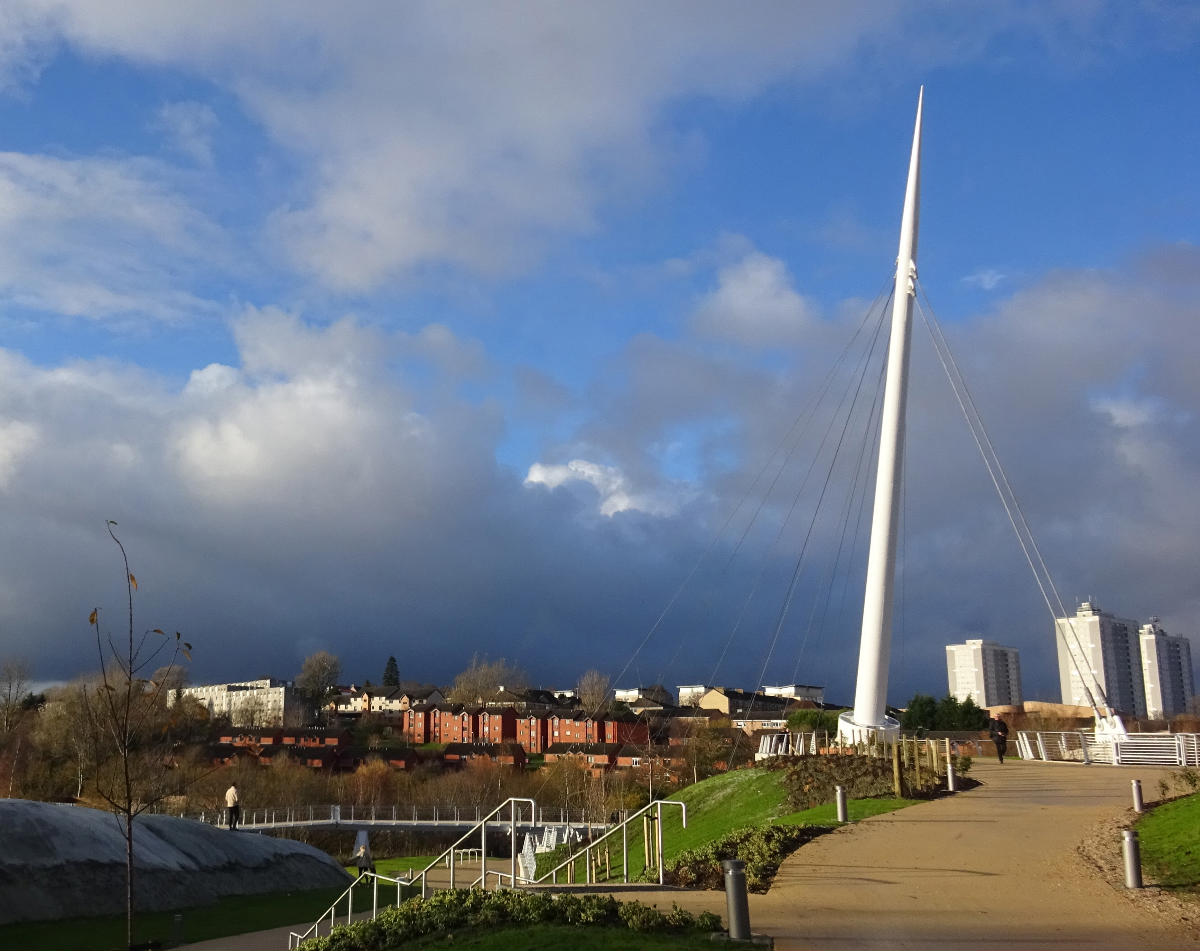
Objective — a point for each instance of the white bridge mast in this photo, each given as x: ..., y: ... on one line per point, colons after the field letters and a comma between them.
x: 869, y: 716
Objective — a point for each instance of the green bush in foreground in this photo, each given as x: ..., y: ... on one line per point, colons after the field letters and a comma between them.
x: 762, y: 848
x: 448, y: 911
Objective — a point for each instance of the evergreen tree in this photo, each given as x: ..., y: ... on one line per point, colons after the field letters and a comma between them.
x: 391, y: 673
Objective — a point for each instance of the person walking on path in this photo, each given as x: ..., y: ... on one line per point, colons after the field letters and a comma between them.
x: 362, y: 858
x: 233, y: 806
x: 999, y: 733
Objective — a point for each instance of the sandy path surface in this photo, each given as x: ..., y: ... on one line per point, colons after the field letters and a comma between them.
x: 995, y: 867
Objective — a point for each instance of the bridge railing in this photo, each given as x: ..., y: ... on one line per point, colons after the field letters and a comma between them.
x: 350, y: 813
x: 1132, y: 749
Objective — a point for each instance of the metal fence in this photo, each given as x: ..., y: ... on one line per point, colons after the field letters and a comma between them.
x: 1133, y: 749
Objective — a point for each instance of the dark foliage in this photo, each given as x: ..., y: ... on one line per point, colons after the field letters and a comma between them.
x: 813, y: 780
x: 449, y: 911
x: 925, y: 713
x: 762, y: 848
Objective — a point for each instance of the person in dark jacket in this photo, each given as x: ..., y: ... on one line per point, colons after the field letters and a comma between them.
x: 362, y: 858
x: 998, y: 730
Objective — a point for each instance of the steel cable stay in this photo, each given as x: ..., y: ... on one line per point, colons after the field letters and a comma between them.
x: 1016, y: 516
x: 856, y: 493
x: 786, y: 445
x: 857, y: 376
x: 799, y: 564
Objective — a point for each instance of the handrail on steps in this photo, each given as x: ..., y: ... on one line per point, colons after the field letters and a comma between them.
x: 481, y: 827
x: 622, y: 828
x: 294, y: 938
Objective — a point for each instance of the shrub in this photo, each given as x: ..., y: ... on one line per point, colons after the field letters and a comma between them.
x: 448, y: 911
x: 812, y: 780
x: 761, y: 848
x: 639, y: 917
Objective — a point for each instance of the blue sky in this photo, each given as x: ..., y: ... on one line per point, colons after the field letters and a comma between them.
x: 432, y: 329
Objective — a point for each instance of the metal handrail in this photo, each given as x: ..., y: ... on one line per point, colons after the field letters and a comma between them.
x: 295, y: 937
x: 481, y: 827
x: 623, y: 828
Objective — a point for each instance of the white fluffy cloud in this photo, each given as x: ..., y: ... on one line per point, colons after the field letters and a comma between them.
x: 461, y: 134
x: 755, y: 303
x: 613, y: 488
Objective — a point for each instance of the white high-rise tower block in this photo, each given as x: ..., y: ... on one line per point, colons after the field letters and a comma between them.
x: 1166, y: 671
x: 1104, y: 649
x: 984, y: 671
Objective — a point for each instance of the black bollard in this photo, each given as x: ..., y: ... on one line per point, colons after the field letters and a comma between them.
x: 736, y: 903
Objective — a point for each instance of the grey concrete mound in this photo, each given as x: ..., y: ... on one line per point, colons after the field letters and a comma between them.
x: 63, y: 861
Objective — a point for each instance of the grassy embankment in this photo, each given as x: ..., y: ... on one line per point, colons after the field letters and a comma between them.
x: 1170, y: 839
x: 718, y: 806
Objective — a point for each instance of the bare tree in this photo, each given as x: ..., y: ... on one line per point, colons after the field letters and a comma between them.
x: 63, y: 729
x: 593, y: 691
x: 317, y: 678
x: 484, y: 679
x: 128, y: 720
x: 14, y: 682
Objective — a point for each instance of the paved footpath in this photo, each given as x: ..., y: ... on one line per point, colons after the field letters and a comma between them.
x: 991, y: 868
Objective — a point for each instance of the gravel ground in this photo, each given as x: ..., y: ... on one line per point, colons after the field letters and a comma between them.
x: 1101, y: 849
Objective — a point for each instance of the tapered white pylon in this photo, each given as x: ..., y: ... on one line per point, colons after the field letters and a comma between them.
x: 869, y: 715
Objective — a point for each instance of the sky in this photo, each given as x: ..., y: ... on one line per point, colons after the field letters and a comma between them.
x: 449, y: 329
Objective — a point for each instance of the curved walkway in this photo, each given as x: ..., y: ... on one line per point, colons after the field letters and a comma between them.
x: 992, y: 868
x: 995, y: 867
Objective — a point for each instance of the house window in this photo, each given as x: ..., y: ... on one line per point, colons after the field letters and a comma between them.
x: 635, y: 761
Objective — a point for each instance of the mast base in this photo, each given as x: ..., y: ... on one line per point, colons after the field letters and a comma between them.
x: 850, y: 733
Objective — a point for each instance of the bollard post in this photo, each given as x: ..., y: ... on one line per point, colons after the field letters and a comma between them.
x: 840, y: 796
x: 1137, y: 795
x: 951, y: 783
x: 737, y: 906
x: 176, y: 931
x: 1133, y: 859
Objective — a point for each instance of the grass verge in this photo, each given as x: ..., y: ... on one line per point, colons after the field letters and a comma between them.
x: 229, y: 916
x: 1170, y: 840
x: 719, y: 806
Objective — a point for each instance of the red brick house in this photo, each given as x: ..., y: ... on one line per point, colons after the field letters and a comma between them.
x: 458, y: 724
x: 498, y: 725
x: 626, y: 729
x: 417, y: 724
x: 576, y: 728
x: 503, y: 754
x: 595, y: 757
x: 533, y: 732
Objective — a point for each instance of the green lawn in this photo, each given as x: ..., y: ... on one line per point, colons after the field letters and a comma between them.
x: 397, y: 867
x: 1170, y: 840
x: 718, y: 806
x: 556, y: 937
x: 233, y: 915
x: 749, y: 797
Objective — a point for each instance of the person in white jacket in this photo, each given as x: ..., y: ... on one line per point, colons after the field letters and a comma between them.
x: 233, y: 806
